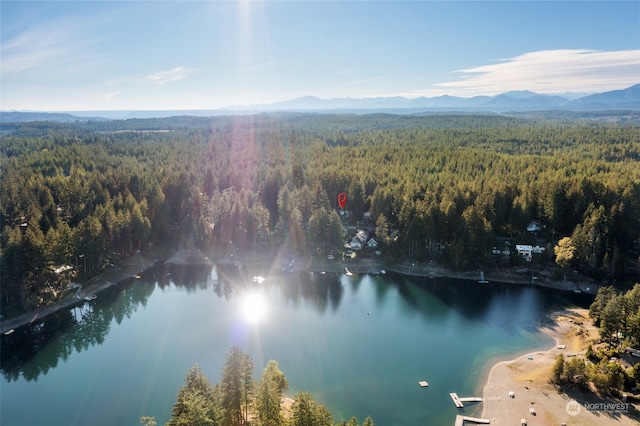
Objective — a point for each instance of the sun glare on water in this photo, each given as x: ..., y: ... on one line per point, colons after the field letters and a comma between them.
x: 253, y: 307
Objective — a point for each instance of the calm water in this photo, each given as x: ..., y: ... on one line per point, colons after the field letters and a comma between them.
x: 359, y: 344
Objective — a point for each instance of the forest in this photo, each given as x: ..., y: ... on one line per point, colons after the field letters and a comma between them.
x: 77, y: 197
x: 617, y: 315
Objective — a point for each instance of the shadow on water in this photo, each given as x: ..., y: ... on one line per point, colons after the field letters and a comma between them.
x: 505, y: 305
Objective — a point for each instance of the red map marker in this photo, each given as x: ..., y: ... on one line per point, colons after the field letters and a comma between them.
x: 342, y: 200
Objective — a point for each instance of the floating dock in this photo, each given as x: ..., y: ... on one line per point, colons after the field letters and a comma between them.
x: 423, y: 384
x: 458, y: 402
x: 461, y: 419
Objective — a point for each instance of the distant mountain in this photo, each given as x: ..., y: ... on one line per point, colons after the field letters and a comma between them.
x: 528, y: 100
x: 61, y: 117
x: 629, y: 96
x: 509, y: 101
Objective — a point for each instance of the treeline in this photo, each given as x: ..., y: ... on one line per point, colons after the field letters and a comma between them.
x: 617, y: 316
x: 237, y: 399
x: 86, y: 194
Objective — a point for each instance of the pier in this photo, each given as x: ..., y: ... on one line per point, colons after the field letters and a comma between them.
x: 458, y: 402
x: 461, y: 419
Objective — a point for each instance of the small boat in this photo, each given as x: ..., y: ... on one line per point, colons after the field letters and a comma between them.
x: 92, y: 297
x: 9, y: 332
x: 382, y: 271
x: 347, y: 272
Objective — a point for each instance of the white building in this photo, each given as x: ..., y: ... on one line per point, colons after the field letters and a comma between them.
x: 525, y: 251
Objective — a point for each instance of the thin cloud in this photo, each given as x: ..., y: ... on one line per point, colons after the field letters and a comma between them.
x: 169, y: 76
x: 551, y: 71
x: 368, y: 80
x: 53, y: 45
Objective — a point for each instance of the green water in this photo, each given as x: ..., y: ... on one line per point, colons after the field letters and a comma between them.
x: 359, y: 344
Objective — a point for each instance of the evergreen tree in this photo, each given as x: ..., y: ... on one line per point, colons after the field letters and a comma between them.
x: 269, y: 395
x: 557, y: 372
x: 195, y: 404
x: 236, y: 386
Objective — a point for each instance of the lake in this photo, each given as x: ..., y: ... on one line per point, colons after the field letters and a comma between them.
x: 359, y: 344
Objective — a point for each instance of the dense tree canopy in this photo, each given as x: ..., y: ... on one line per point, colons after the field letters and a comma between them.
x: 199, y: 403
x: 84, y: 194
x: 618, y: 316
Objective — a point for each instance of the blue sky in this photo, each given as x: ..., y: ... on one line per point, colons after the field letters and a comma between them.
x: 123, y: 55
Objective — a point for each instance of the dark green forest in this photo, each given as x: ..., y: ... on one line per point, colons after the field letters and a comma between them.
x: 617, y: 316
x: 448, y: 188
x: 238, y: 399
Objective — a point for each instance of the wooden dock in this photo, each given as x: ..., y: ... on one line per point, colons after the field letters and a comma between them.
x: 459, y: 401
x: 461, y: 419
x: 471, y: 399
x: 456, y: 400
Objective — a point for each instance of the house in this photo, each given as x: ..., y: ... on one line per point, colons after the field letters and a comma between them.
x: 358, y: 240
x: 525, y: 251
x: 538, y: 249
x: 502, y: 246
x: 497, y: 250
x: 372, y: 243
x: 534, y: 226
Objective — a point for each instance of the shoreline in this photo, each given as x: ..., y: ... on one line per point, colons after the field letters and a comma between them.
x: 140, y: 262
x: 131, y: 266
x: 527, y: 375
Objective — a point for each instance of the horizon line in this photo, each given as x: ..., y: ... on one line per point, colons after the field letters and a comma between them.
x: 245, y: 107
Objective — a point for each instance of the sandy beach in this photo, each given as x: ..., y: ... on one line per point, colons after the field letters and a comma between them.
x: 528, y: 378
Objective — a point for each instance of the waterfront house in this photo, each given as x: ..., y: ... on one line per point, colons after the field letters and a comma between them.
x: 525, y: 251
x: 534, y: 226
x: 358, y: 240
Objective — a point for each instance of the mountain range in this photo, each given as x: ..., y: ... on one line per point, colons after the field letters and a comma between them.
x: 625, y: 99
x: 520, y: 101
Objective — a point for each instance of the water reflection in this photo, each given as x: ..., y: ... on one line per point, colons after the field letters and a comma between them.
x: 35, y: 349
x: 508, y: 306
x: 253, y: 306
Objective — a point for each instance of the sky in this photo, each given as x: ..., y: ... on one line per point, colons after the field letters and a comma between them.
x: 166, y: 55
